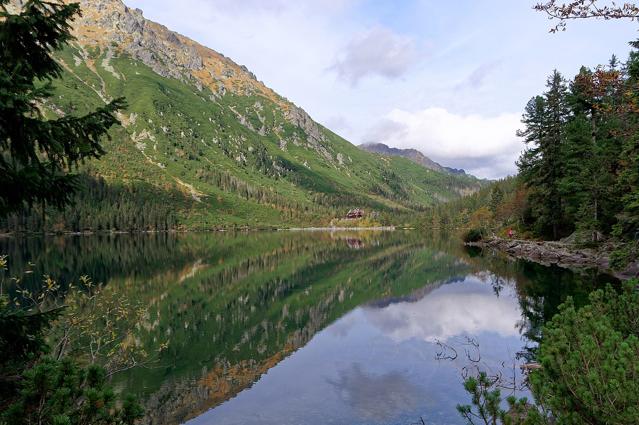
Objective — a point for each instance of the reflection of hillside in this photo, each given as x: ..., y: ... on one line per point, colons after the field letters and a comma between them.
x: 233, y: 320
x: 102, y: 257
x: 241, y: 315
x: 414, y: 296
x: 179, y: 401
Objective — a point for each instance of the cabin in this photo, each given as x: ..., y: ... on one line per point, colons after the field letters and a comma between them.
x: 356, y: 213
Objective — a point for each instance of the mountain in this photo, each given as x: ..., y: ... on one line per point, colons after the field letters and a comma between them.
x: 412, y: 154
x: 204, y: 140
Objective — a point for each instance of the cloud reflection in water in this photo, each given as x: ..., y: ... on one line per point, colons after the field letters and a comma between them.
x: 377, y: 397
x: 448, y: 312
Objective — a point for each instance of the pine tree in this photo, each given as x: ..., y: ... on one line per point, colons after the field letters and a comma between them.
x: 540, y: 165
x: 37, y: 155
x: 557, y: 112
x: 36, y: 159
x: 579, y: 186
x: 533, y: 133
x: 628, y: 182
x: 496, y: 199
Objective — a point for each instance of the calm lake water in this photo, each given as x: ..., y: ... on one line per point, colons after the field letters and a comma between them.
x: 311, y: 327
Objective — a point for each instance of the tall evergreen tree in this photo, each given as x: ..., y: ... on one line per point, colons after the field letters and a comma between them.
x: 581, y: 187
x: 37, y: 155
x: 578, y: 168
x: 628, y: 182
x: 496, y: 198
x: 540, y: 165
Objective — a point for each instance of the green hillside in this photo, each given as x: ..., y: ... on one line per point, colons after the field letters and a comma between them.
x: 205, y: 144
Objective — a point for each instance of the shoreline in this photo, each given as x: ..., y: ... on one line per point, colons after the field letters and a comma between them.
x: 560, y: 254
x: 339, y: 229
x: 212, y: 230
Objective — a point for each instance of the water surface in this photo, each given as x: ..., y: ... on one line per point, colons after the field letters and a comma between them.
x: 311, y: 328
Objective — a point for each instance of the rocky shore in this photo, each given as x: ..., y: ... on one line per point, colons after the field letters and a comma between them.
x: 559, y: 253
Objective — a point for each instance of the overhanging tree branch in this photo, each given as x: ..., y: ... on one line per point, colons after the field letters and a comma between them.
x: 586, y: 9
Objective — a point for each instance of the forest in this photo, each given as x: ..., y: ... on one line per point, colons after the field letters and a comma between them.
x: 579, y: 173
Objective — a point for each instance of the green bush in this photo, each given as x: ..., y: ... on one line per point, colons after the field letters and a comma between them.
x: 622, y: 256
x: 59, y: 392
x: 589, y: 370
x: 590, y: 360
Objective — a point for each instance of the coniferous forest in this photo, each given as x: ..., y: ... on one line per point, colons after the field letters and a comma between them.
x: 99, y: 206
x: 581, y: 164
x: 579, y: 173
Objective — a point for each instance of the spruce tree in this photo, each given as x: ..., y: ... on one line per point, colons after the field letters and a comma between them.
x: 496, y: 199
x: 37, y: 156
x: 628, y: 182
x: 578, y: 169
x: 581, y: 186
x: 533, y: 133
x: 541, y: 164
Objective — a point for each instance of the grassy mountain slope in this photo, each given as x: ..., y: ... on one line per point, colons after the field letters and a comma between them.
x: 216, y: 144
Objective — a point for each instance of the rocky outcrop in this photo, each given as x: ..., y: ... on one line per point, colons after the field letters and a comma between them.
x: 108, y: 23
x: 559, y: 253
x: 115, y: 28
x: 315, y: 137
x: 412, y: 154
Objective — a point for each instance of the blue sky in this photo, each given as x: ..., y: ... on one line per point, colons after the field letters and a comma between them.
x: 447, y: 78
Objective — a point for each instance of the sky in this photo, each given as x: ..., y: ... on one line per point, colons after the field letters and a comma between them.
x: 449, y: 78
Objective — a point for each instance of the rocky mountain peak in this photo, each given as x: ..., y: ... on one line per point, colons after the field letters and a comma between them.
x: 114, y: 27
x: 412, y: 154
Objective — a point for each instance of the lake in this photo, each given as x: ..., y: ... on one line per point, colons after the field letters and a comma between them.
x: 310, y: 327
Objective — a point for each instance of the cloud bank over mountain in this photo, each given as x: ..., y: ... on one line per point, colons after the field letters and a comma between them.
x: 484, y: 146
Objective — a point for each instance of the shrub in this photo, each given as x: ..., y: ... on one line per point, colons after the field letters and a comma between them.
x: 589, y: 370
x: 589, y: 359
x: 624, y: 255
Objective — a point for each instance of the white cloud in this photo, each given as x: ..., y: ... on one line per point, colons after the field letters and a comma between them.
x: 235, y: 7
x: 378, y: 51
x: 377, y: 397
x: 484, y: 146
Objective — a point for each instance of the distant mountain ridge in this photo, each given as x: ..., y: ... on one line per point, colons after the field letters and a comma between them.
x: 412, y: 154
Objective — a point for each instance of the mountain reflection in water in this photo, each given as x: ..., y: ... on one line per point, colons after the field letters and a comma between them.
x: 309, y: 328
x: 378, y: 363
